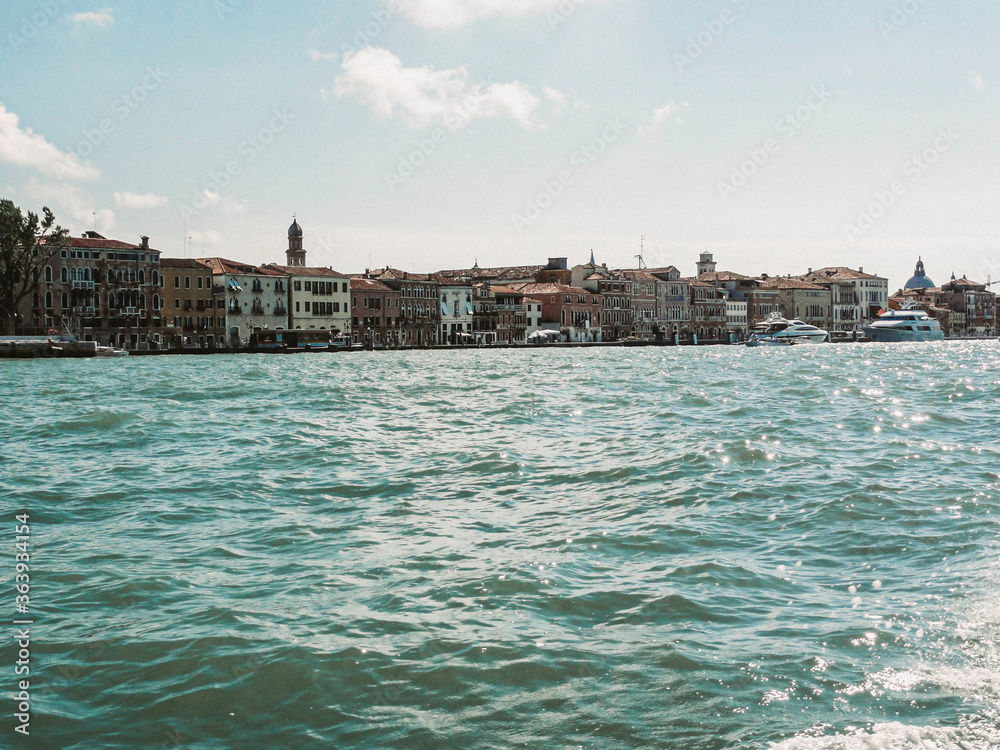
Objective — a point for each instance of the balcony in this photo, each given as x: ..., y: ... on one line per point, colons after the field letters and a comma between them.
x: 83, y: 285
x: 130, y: 312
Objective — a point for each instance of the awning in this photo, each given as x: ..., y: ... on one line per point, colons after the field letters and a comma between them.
x: 468, y: 308
x: 444, y: 308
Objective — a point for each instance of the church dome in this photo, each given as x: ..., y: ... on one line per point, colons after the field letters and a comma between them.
x: 919, y: 280
x: 294, y: 230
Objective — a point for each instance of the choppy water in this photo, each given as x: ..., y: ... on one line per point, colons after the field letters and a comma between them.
x: 615, y: 548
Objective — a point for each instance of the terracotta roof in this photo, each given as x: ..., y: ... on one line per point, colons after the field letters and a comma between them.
x: 184, y: 263
x: 395, y: 274
x: 785, y: 282
x: 99, y: 244
x: 836, y: 273
x: 535, y: 288
x: 722, y: 276
x: 361, y: 283
x: 965, y: 282
x: 225, y: 266
x: 303, y: 270
x: 500, y: 273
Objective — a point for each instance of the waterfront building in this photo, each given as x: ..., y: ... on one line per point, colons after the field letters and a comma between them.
x: 673, y: 303
x: 801, y: 300
x: 189, y: 314
x: 576, y: 312
x: 456, y: 312
x: 484, y: 314
x: 499, y: 275
x: 615, y: 296
x: 100, y: 290
x: 511, y: 326
x: 420, y: 310
x: 250, y: 297
x: 708, y: 311
x: 762, y: 302
x: 532, y: 315
x: 644, y: 287
x: 317, y: 298
x: 706, y: 264
x: 855, y: 296
x: 376, y: 314
x: 971, y: 298
x: 736, y: 318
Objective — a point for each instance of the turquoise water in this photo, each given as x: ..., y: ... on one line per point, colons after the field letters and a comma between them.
x: 614, y: 548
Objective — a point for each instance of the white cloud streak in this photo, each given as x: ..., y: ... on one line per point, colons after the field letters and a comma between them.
x: 660, y: 116
x: 97, y: 19
x: 21, y: 146
x: 451, y: 14
x: 134, y: 200
x: 424, y: 97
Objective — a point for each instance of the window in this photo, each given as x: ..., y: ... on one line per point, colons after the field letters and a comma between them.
x: 187, y: 282
x: 307, y: 303
x: 308, y: 288
x: 200, y: 281
x: 48, y: 300
x: 354, y: 302
x: 177, y: 282
x: 177, y: 304
x: 65, y: 300
x: 344, y: 287
x: 297, y: 286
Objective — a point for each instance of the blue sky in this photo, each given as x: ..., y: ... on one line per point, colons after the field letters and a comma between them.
x: 429, y: 134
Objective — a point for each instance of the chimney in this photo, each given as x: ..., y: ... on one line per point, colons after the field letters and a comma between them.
x: 145, y: 242
x: 861, y: 269
x: 810, y: 270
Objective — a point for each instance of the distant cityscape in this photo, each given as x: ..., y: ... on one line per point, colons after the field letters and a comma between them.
x: 131, y: 296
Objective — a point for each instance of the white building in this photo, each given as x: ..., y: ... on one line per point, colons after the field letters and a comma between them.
x: 251, y: 297
x: 855, y: 296
x: 736, y: 318
x: 456, y: 312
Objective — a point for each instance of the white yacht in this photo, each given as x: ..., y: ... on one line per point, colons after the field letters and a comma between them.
x: 907, y: 324
x: 777, y: 331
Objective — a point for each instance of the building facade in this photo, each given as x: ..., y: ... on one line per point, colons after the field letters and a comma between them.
x: 190, y: 319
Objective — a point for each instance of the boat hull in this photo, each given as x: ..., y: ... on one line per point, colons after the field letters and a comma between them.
x: 876, y: 333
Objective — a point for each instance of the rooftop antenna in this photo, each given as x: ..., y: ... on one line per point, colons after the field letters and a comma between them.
x: 642, y: 242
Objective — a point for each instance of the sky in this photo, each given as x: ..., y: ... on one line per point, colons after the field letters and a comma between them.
x: 433, y: 134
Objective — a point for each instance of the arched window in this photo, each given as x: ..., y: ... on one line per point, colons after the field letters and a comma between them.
x: 111, y: 275
x: 142, y: 276
x: 156, y: 301
x: 65, y: 300
x: 72, y: 274
x: 86, y: 274
x: 48, y: 300
x: 111, y: 301
x: 156, y: 278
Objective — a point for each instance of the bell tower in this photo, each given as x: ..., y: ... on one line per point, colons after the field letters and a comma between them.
x: 295, y: 255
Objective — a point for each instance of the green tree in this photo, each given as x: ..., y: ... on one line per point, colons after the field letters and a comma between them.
x: 26, y: 244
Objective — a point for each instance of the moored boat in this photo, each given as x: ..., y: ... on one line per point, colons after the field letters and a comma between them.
x: 909, y: 323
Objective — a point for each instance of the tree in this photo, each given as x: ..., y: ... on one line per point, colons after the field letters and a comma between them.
x: 26, y: 244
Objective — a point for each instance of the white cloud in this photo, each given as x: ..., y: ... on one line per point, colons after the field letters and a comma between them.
x: 317, y: 56
x: 98, y: 19
x: 660, y: 116
x: 450, y: 14
x: 21, y: 146
x: 558, y: 98
x: 978, y: 81
x: 64, y: 198
x: 134, y: 200
x: 211, y: 199
x: 424, y: 96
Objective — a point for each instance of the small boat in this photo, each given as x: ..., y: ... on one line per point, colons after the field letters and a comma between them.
x: 909, y: 323
x: 778, y: 331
